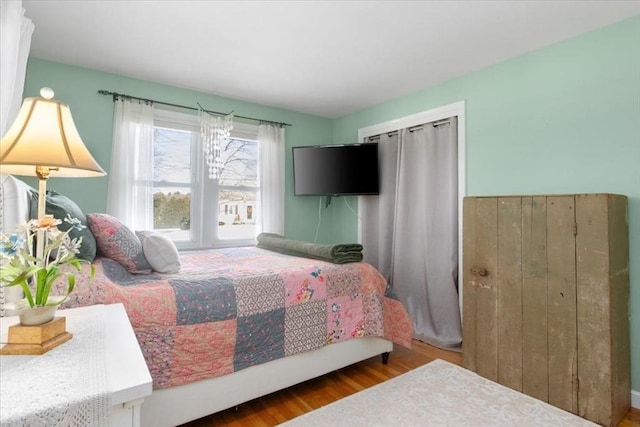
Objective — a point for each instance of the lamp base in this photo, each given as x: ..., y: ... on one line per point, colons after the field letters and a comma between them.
x: 43, y: 175
x: 24, y: 340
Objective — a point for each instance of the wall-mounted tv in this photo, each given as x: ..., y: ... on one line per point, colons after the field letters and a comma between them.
x: 336, y: 170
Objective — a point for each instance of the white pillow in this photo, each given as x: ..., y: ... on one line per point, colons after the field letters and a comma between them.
x: 160, y: 251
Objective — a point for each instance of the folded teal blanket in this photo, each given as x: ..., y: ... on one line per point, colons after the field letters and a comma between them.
x: 338, y: 254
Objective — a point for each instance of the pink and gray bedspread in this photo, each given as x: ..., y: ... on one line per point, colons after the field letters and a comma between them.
x: 229, y: 309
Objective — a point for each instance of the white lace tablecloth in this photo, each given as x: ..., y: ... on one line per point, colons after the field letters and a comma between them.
x: 66, y: 386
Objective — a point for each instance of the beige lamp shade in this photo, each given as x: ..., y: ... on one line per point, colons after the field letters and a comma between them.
x: 44, y: 135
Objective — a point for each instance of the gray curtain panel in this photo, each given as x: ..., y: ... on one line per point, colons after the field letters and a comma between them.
x: 410, y: 231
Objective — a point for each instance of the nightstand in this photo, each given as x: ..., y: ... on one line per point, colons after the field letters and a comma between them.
x: 109, y: 357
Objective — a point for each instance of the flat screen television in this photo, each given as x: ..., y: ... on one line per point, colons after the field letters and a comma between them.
x: 336, y: 170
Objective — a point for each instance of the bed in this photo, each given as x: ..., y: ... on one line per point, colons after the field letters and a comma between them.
x: 235, y: 324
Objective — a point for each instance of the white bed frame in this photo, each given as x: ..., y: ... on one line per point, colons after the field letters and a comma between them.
x: 178, y: 405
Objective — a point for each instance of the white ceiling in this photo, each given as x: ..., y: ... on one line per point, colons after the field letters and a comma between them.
x: 328, y: 58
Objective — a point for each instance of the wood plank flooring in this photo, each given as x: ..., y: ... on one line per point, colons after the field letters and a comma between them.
x: 284, y: 405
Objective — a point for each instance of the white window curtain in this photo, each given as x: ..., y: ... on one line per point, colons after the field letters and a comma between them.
x: 410, y: 231
x: 130, y: 194
x: 271, y: 148
x: 15, y: 43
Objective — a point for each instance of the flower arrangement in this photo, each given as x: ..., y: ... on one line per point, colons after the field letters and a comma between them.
x: 36, y: 275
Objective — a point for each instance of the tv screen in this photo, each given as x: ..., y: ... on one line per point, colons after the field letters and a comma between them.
x: 336, y: 170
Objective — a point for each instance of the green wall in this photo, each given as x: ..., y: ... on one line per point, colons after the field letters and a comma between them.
x: 93, y: 115
x: 564, y: 119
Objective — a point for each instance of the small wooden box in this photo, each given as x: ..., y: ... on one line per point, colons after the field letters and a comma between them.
x: 24, y: 340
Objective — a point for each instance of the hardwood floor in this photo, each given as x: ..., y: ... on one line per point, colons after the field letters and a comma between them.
x: 284, y: 405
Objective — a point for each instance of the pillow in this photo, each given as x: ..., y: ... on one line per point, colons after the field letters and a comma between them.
x: 59, y: 206
x: 117, y: 242
x: 160, y: 251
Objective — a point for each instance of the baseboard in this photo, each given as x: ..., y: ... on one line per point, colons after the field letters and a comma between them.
x: 635, y: 399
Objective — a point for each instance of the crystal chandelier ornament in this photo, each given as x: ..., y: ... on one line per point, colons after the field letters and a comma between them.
x: 214, y: 131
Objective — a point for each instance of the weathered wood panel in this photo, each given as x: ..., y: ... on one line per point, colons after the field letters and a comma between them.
x: 480, y: 270
x: 593, y: 307
x: 561, y: 300
x: 469, y: 302
x: 509, y: 288
x: 620, y: 345
x: 602, y: 281
x: 535, y: 376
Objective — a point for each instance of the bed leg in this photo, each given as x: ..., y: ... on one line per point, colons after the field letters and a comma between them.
x: 385, y: 358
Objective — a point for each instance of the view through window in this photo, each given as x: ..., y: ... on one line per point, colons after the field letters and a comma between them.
x: 237, y: 189
x: 189, y: 207
x: 172, y: 182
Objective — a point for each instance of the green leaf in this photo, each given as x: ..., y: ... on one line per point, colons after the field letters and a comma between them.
x: 27, y: 292
x: 41, y: 274
x: 50, y: 279
x: 71, y: 280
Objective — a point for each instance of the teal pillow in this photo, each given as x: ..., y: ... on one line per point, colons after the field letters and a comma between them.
x: 59, y: 206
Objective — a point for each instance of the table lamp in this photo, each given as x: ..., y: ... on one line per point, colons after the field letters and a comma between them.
x: 43, y: 141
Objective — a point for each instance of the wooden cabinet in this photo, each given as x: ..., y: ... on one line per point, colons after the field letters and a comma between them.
x: 545, y: 299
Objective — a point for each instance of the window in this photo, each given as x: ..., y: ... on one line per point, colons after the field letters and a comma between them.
x: 193, y: 210
x: 237, y: 190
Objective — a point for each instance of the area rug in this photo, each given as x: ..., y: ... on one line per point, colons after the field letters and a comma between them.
x: 438, y: 394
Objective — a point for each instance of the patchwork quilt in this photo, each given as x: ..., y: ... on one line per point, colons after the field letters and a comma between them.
x: 229, y: 309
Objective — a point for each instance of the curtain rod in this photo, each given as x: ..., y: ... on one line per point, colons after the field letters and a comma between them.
x: 153, y: 101
x: 435, y: 124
